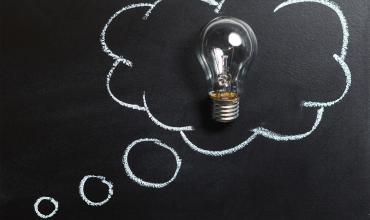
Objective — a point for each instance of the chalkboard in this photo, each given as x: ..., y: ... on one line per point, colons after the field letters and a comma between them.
x: 105, y: 112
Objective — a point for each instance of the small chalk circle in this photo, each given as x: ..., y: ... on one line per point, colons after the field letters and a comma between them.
x: 103, y: 180
x: 50, y: 199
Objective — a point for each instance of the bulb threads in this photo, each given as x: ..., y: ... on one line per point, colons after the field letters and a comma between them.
x: 225, y: 110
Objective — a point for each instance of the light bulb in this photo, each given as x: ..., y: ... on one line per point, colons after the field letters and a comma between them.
x: 227, y: 48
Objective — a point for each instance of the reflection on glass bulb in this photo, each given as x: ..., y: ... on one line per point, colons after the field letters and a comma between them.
x: 227, y: 48
x: 235, y: 40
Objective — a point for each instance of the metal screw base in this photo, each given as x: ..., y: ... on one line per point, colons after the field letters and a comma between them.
x: 225, y: 110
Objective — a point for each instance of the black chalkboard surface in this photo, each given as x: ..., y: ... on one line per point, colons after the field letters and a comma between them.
x: 105, y: 112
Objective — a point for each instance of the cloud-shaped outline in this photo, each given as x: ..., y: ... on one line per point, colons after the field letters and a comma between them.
x: 259, y: 131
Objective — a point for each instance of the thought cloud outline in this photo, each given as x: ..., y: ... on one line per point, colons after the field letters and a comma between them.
x: 259, y: 131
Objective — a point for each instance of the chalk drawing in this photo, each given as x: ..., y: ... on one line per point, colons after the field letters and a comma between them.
x: 221, y: 152
x: 336, y: 9
x: 340, y: 59
x: 211, y: 2
x: 140, y: 181
x: 259, y: 131
x: 160, y: 124
x: 320, y: 105
x: 39, y: 200
x: 103, y: 180
x: 215, y: 3
x: 120, y: 59
x: 256, y: 131
x: 347, y: 73
x: 103, y: 33
x: 147, y: 14
x: 124, y: 104
x: 279, y: 137
x: 219, y: 6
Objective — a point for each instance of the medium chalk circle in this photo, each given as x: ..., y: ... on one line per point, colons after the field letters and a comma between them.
x: 140, y: 181
x: 103, y: 180
x: 39, y: 200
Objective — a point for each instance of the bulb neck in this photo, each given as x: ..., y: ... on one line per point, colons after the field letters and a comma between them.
x: 225, y: 110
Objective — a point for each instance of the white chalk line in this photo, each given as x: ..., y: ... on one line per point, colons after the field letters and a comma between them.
x: 256, y: 131
x: 124, y: 104
x: 215, y: 3
x: 219, y: 6
x: 103, y: 180
x: 279, y: 137
x: 119, y: 59
x: 141, y: 108
x: 103, y: 33
x: 341, y: 59
x: 347, y: 73
x: 211, y: 2
x: 220, y: 152
x: 147, y: 14
x: 151, y: 6
x: 160, y: 124
x: 336, y: 9
x: 140, y: 181
x: 53, y: 201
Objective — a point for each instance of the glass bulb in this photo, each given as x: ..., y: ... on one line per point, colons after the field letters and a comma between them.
x: 226, y: 50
